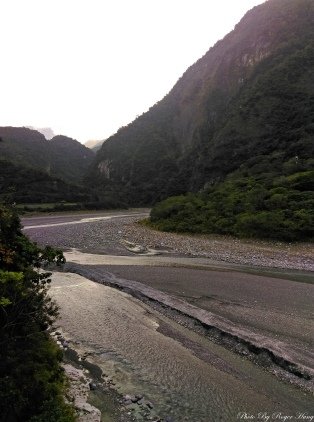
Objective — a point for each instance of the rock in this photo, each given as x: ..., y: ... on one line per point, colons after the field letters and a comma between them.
x: 136, y: 398
x: 77, y: 393
x: 149, y: 405
x: 128, y: 402
x: 92, y: 386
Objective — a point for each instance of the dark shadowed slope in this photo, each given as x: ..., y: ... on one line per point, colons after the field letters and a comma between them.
x: 60, y: 157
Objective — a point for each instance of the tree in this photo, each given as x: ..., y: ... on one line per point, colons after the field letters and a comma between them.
x: 31, y: 379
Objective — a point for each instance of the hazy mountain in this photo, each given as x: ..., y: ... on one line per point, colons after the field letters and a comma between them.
x: 249, y: 101
x: 94, y: 145
x: 28, y: 185
x: 59, y: 157
x: 46, y: 131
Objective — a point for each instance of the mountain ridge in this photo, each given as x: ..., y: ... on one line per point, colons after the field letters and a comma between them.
x: 150, y: 159
x: 61, y: 157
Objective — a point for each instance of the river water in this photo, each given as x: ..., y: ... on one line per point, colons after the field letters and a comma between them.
x: 183, y: 374
x: 125, y: 338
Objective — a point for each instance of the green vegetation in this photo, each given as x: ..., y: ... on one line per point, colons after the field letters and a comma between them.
x: 35, y: 190
x: 68, y: 206
x: 26, y: 185
x: 31, y: 380
x: 246, y: 205
x: 61, y: 157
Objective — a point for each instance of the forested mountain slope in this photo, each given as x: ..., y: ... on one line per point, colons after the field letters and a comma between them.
x: 25, y: 185
x: 60, y: 157
x: 247, y: 104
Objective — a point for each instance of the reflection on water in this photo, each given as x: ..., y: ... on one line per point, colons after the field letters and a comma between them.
x: 81, y: 221
x: 122, y: 333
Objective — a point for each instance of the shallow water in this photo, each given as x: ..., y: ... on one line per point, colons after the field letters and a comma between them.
x: 184, y: 375
x: 68, y: 221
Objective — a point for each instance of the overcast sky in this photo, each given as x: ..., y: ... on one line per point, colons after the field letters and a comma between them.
x: 87, y: 67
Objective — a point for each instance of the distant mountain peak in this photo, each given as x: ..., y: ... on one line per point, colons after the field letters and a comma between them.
x: 46, y: 131
x: 94, y: 145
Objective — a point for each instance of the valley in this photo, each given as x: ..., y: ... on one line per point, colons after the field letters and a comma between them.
x: 187, y: 293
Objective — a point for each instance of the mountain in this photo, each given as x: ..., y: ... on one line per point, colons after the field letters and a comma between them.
x: 25, y: 185
x: 46, y: 131
x: 70, y: 159
x: 94, y: 145
x: 60, y: 157
x: 247, y: 103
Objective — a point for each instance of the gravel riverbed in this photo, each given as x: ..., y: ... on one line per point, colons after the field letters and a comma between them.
x: 108, y: 236
x: 225, y: 248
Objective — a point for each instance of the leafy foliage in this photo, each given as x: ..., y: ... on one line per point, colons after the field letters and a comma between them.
x: 31, y: 379
x: 248, y: 206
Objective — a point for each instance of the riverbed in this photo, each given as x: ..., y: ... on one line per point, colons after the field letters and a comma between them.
x: 153, y: 350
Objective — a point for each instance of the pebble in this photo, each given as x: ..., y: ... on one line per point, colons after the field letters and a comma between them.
x: 92, y: 386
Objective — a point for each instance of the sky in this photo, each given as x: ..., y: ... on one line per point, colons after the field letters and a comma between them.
x: 87, y: 67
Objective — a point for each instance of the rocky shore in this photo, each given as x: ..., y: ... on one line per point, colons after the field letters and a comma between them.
x: 88, y: 387
x: 225, y: 248
x: 111, y: 237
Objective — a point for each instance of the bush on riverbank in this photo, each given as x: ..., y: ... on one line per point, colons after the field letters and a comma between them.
x: 267, y: 206
x: 64, y: 206
x: 31, y: 379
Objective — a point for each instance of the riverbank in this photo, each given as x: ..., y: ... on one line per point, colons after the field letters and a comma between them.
x: 226, y: 248
x: 110, y: 239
